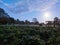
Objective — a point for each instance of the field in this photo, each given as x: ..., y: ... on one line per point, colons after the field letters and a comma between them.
x: 12, y: 35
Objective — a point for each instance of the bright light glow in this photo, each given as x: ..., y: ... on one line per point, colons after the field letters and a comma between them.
x: 46, y: 14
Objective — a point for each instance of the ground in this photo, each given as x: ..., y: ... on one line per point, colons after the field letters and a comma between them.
x: 17, y: 35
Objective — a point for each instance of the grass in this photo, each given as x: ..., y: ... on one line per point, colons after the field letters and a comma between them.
x: 12, y: 35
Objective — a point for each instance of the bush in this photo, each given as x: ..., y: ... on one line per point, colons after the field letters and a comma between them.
x: 29, y: 35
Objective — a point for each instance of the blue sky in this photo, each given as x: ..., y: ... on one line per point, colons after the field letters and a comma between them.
x: 43, y: 10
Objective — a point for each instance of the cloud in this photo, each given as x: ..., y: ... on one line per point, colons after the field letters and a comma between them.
x: 30, y: 5
x: 41, y: 5
x: 5, y: 4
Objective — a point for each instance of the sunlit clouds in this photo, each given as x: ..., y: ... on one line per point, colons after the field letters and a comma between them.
x: 40, y: 8
x: 30, y: 5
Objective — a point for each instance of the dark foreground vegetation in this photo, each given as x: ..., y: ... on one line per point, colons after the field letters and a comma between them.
x: 29, y: 35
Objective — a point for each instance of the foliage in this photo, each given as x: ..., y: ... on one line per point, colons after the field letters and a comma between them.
x: 11, y: 35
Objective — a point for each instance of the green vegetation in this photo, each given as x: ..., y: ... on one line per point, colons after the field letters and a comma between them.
x: 29, y: 35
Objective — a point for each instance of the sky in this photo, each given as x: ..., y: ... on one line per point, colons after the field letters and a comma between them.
x: 43, y: 10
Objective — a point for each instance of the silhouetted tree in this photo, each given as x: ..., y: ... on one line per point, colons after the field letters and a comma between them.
x: 12, y: 21
x: 35, y: 21
x: 18, y: 21
x: 27, y: 22
x: 1, y: 11
x: 56, y: 21
x: 22, y: 22
x: 49, y: 23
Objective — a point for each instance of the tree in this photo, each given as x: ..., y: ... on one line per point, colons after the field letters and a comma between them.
x: 27, y: 22
x: 35, y: 21
x: 4, y: 17
x: 1, y: 10
x: 12, y: 21
x: 4, y: 20
x: 18, y: 21
x: 56, y: 21
x: 21, y: 22
x: 3, y: 13
x: 49, y: 23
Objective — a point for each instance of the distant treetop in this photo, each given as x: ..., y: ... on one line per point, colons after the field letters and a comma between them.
x: 2, y: 10
x: 3, y: 13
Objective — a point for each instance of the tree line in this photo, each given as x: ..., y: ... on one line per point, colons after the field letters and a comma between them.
x: 6, y: 19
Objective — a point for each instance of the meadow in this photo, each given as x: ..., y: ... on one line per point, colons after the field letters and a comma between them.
x: 16, y: 35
